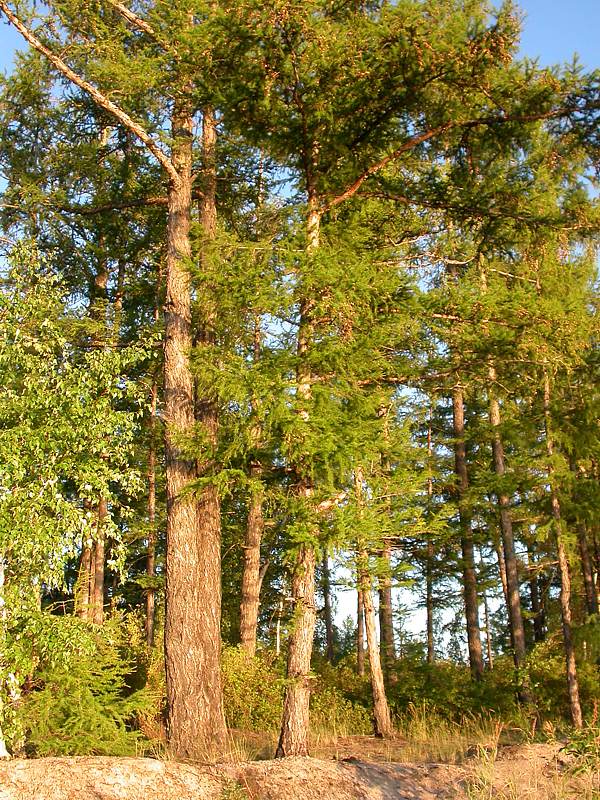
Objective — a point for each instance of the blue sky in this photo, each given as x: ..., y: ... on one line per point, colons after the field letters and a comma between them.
x: 554, y: 30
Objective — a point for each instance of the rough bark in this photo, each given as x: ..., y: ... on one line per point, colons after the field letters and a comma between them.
x: 386, y: 617
x: 293, y: 738
x: 515, y: 615
x: 565, y: 575
x: 152, y: 533
x: 587, y: 570
x: 471, y: 599
x: 429, y: 577
x: 381, y: 712
x: 360, y: 635
x: 537, y: 607
x: 251, y: 572
x: 195, y: 721
x: 327, y: 611
x: 82, y: 585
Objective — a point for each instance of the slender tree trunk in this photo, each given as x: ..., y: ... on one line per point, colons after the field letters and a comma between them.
x: 3, y: 688
x: 294, y: 734
x: 360, y: 634
x: 151, y: 553
x: 83, y: 583
x: 536, y: 604
x: 98, y: 553
x: 429, y: 577
x: 195, y: 719
x: 293, y: 738
x: 515, y: 615
x: 488, y: 637
x: 587, y: 571
x: 468, y: 556
x: 565, y: 576
x: 501, y: 570
x: 386, y: 616
x: 251, y: 570
x: 327, y: 610
x: 381, y: 711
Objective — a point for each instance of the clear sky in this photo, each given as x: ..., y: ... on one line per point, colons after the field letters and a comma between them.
x: 553, y: 30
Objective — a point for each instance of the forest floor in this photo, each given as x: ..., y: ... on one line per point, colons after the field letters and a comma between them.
x: 361, y: 771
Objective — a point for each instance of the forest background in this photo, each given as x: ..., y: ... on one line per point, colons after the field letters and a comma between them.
x: 395, y: 392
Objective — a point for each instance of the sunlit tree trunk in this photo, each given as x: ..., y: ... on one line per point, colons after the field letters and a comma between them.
x: 565, y: 575
x: 468, y: 556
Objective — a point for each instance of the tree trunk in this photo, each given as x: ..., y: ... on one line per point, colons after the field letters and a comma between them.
x: 468, y: 556
x: 587, y: 571
x: 429, y: 578
x: 565, y: 577
x: 488, y: 637
x: 83, y: 583
x: 293, y: 739
x: 381, y: 711
x: 151, y: 553
x: 251, y: 571
x: 195, y: 719
x: 327, y: 611
x: 386, y: 618
x: 536, y: 604
x: 360, y: 635
x: 251, y: 574
x: 515, y: 615
x: 3, y: 689
x: 98, y: 552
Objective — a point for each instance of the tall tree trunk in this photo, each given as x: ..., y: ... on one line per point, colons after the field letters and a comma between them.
x: 83, y: 582
x: 152, y: 533
x: 381, y: 711
x: 429, y: 577
x: 327, y: 611
x: 386, y: 616
x: 565, y: 576
x: 293, y: 739
x: 515, y: 615
x: 251, y: 570
x: 360, y: 634
x: 537, y: 608
x: 488, y: 637
x: 587, y: 571
x: 468, y: 556
x: 195, y: 719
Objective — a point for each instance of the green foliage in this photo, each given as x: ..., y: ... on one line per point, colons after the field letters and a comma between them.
x: 252, y: 690
x: 79, y: 700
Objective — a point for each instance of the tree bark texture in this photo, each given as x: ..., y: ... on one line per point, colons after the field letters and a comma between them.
x: 587, y: 570
x: 565, y: 575
x: 195, y: 720
x: 293, y: 739
x: 381, y: 711
x: 386, y: 617
x: 251, y: 572
x: 360, y: 635
x: 515, y: 615
x: 468, y: 556
x: 327, y: 611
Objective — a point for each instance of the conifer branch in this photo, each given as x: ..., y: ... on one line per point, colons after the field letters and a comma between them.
x: 136, y: 21
x: 101, y: 99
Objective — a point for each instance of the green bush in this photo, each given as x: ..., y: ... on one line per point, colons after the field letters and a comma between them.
x: 252, y: 690
x: 79, y: 700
